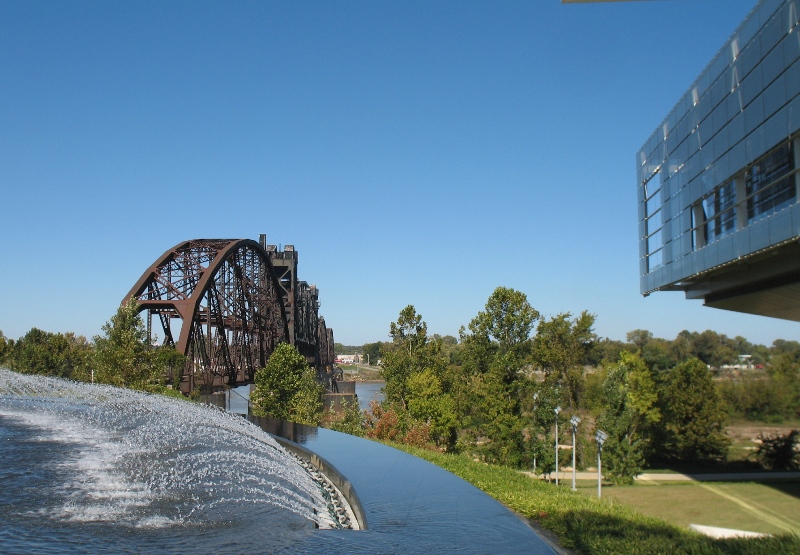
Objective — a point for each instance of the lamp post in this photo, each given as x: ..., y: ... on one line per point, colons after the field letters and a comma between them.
x: 601, y: 438
x: 533, y: 432
x: 575, y: 420
x: 557, y: 410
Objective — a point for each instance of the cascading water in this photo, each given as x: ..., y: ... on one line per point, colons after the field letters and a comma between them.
x: 83, y: 467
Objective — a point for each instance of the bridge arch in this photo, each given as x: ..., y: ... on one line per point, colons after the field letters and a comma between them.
x: 224, y: 297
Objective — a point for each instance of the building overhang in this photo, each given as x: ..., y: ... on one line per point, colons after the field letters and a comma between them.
x: 766, y: 283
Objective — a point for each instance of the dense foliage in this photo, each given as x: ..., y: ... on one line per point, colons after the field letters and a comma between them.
x: 287, y: 388
x: 492, y: 393
x: 122, y: 356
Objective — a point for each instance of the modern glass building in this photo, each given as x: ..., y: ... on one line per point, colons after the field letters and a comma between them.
x: 717, y: 181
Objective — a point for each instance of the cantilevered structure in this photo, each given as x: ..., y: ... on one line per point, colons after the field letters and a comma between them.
x: 717, y: 180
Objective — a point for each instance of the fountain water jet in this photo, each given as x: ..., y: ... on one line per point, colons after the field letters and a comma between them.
x: 95, y: 470
x: 149, y: 461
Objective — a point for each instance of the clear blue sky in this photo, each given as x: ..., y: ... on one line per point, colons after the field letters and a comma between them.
x: 414, y: 152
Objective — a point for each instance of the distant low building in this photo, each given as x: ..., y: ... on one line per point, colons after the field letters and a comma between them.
x: 717, y: 181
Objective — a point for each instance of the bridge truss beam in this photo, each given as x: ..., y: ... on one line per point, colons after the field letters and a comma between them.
x: 221, y: 299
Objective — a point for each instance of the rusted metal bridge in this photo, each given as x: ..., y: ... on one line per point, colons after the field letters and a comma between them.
x: 226, y: 304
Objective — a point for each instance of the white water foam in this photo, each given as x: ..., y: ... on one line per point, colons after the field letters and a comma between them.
x: 150, y: 461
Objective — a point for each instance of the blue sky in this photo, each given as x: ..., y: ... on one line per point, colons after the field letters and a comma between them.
x: 414, y: 152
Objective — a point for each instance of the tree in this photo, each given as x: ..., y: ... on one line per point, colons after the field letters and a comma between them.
x: 349, y: 421
x: 656, y: 354
x: 499, y: 336
x: 779, y: 452
x: 693, y: 415
x: 629, y: 407
x: 560, y: 347
x: 53, y: 354
x: 372, y: 352
x: 640, y: 338
x: 287, y: 389
x: 411, y: 350
x: 429, y: 402
x: 124, y: 357
x: 714, y: 349
x: 494, y: 352
x: 5, y: 347
x: 121, y: 356
x: 417, y: 390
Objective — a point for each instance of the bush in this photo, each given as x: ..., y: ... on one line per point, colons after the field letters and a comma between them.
x: 778, y: 452
x: 287, y: 388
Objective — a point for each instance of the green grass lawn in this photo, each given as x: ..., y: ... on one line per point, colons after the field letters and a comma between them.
x: 770, y: 508
x: 589, y: 525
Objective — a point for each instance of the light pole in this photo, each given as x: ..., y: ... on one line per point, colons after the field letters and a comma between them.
x: 533, y: 432
x: 575, y: 420
x: 557, y: 410
x: 601, y: 438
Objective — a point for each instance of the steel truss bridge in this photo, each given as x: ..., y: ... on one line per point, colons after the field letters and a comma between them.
x: 226, y: 304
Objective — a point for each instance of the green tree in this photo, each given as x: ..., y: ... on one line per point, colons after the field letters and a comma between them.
x: 5, y: 347
x: 349, y: 421
x: 371, y: 352
x: 54, y: 354
x: 606, y: 351
x: 122, y: 354
x: 494, y: 353
x: 779, y: 452
x: 630, y: 407
x: 560, y: 348
x: 287, y: 389
x: 640, y: 338
x: 124, y: 357
x: 656, y: 354
x: 410, y: 351
x: 429, y: 402
x: 714, y: 349
x: 498, y: 340
x: 418, y: 388
x: 692, y: 415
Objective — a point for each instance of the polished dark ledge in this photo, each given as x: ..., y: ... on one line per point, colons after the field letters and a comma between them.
x: 410, y: 505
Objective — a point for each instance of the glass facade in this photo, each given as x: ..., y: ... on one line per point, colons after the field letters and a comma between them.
x: 717, y: 179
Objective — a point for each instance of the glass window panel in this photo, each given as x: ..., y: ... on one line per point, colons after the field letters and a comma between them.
x: 653, y: 203
x: 720, y: 211
x: 654, y: 222
x: 654, y: 261
x: 770, y: 183
x: 654, y: 242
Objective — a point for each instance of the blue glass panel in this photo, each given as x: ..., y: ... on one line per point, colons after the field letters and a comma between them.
x: 772, y: 65
x: 751, y: 86
x: 774, y: 96
x: 753, y: 115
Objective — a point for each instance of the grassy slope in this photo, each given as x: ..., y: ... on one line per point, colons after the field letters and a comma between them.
x: 589, y: 525
x: 770, y: 507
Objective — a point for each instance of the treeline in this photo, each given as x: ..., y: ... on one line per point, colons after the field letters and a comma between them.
x: 121, y: 356
x: 493, y: 392
x: 286, y: 388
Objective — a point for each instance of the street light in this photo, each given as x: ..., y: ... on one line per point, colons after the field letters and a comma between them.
x: 601, y: 438
x: 575, y: 420
x: 557, y: 410
x: 533, y: 432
